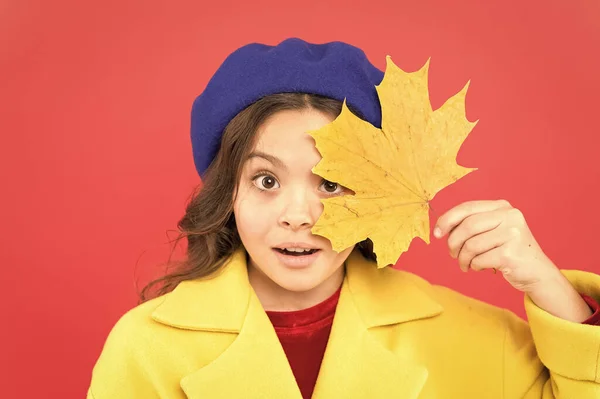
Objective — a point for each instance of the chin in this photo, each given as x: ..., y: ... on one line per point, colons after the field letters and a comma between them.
x: 297, y: 282
x: 295, y: 279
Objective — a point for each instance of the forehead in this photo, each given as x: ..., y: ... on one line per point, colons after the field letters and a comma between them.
x: 284, y: 134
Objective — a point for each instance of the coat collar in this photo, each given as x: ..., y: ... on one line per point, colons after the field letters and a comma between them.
x: 382, y: 296
x: 255, y: 363
x: 191, y: 305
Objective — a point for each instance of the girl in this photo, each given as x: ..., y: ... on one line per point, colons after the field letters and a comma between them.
x: 262, y: 308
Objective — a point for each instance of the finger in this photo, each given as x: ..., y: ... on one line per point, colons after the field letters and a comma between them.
x: 454, y: 216
x: 491, y: 259
x: 471, y: 226
x: 478, y: 245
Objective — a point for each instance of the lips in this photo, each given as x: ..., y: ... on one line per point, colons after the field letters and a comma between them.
x: 296, y: 253
x: 297, y: 245
x: 296, y: 260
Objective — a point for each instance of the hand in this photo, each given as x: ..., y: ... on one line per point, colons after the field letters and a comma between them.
x: 494, y: 235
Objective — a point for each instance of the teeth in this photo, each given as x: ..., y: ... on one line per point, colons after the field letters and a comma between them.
x: 297, y: 249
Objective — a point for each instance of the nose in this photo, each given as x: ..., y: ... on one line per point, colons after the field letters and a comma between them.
x: 300, y: 211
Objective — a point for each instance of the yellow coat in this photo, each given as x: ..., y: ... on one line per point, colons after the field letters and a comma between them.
x: 394, y: 336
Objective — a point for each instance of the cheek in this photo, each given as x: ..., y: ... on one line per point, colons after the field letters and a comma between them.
x: 336, y: 260
x: 253, y: 218
x: 342, y: 256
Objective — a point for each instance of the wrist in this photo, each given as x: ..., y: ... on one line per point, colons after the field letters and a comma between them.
x: 557, y: 296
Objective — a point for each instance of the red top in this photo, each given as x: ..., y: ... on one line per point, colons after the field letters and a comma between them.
x: 304, y: 335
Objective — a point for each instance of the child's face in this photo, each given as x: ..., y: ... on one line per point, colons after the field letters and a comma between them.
x: 278, y: 202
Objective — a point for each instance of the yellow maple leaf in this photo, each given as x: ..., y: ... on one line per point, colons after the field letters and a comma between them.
x: 394, y: 171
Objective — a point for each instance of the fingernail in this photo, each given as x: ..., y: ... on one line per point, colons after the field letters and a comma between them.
x: 437, y: 232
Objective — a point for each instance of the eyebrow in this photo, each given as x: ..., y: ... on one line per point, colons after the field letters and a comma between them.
x: 271, y: 158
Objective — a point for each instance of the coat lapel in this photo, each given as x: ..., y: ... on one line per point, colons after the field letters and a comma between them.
x: 254, y: 365
x: 356, y: 364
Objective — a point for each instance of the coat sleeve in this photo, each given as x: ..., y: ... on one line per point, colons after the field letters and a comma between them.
x: 552, y: 357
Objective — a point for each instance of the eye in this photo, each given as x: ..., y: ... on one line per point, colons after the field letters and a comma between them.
x: 265, y: 182
x: 331, y: 187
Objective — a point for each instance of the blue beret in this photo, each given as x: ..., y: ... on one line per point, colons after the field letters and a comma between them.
x: 336, y: 69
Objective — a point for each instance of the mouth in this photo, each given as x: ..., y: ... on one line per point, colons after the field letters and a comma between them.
x: 296, y: 252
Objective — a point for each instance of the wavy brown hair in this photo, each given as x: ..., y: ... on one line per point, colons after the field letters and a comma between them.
x: 208, y: 223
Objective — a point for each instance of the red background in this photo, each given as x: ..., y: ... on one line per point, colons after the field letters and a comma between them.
x: 96, y: 159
